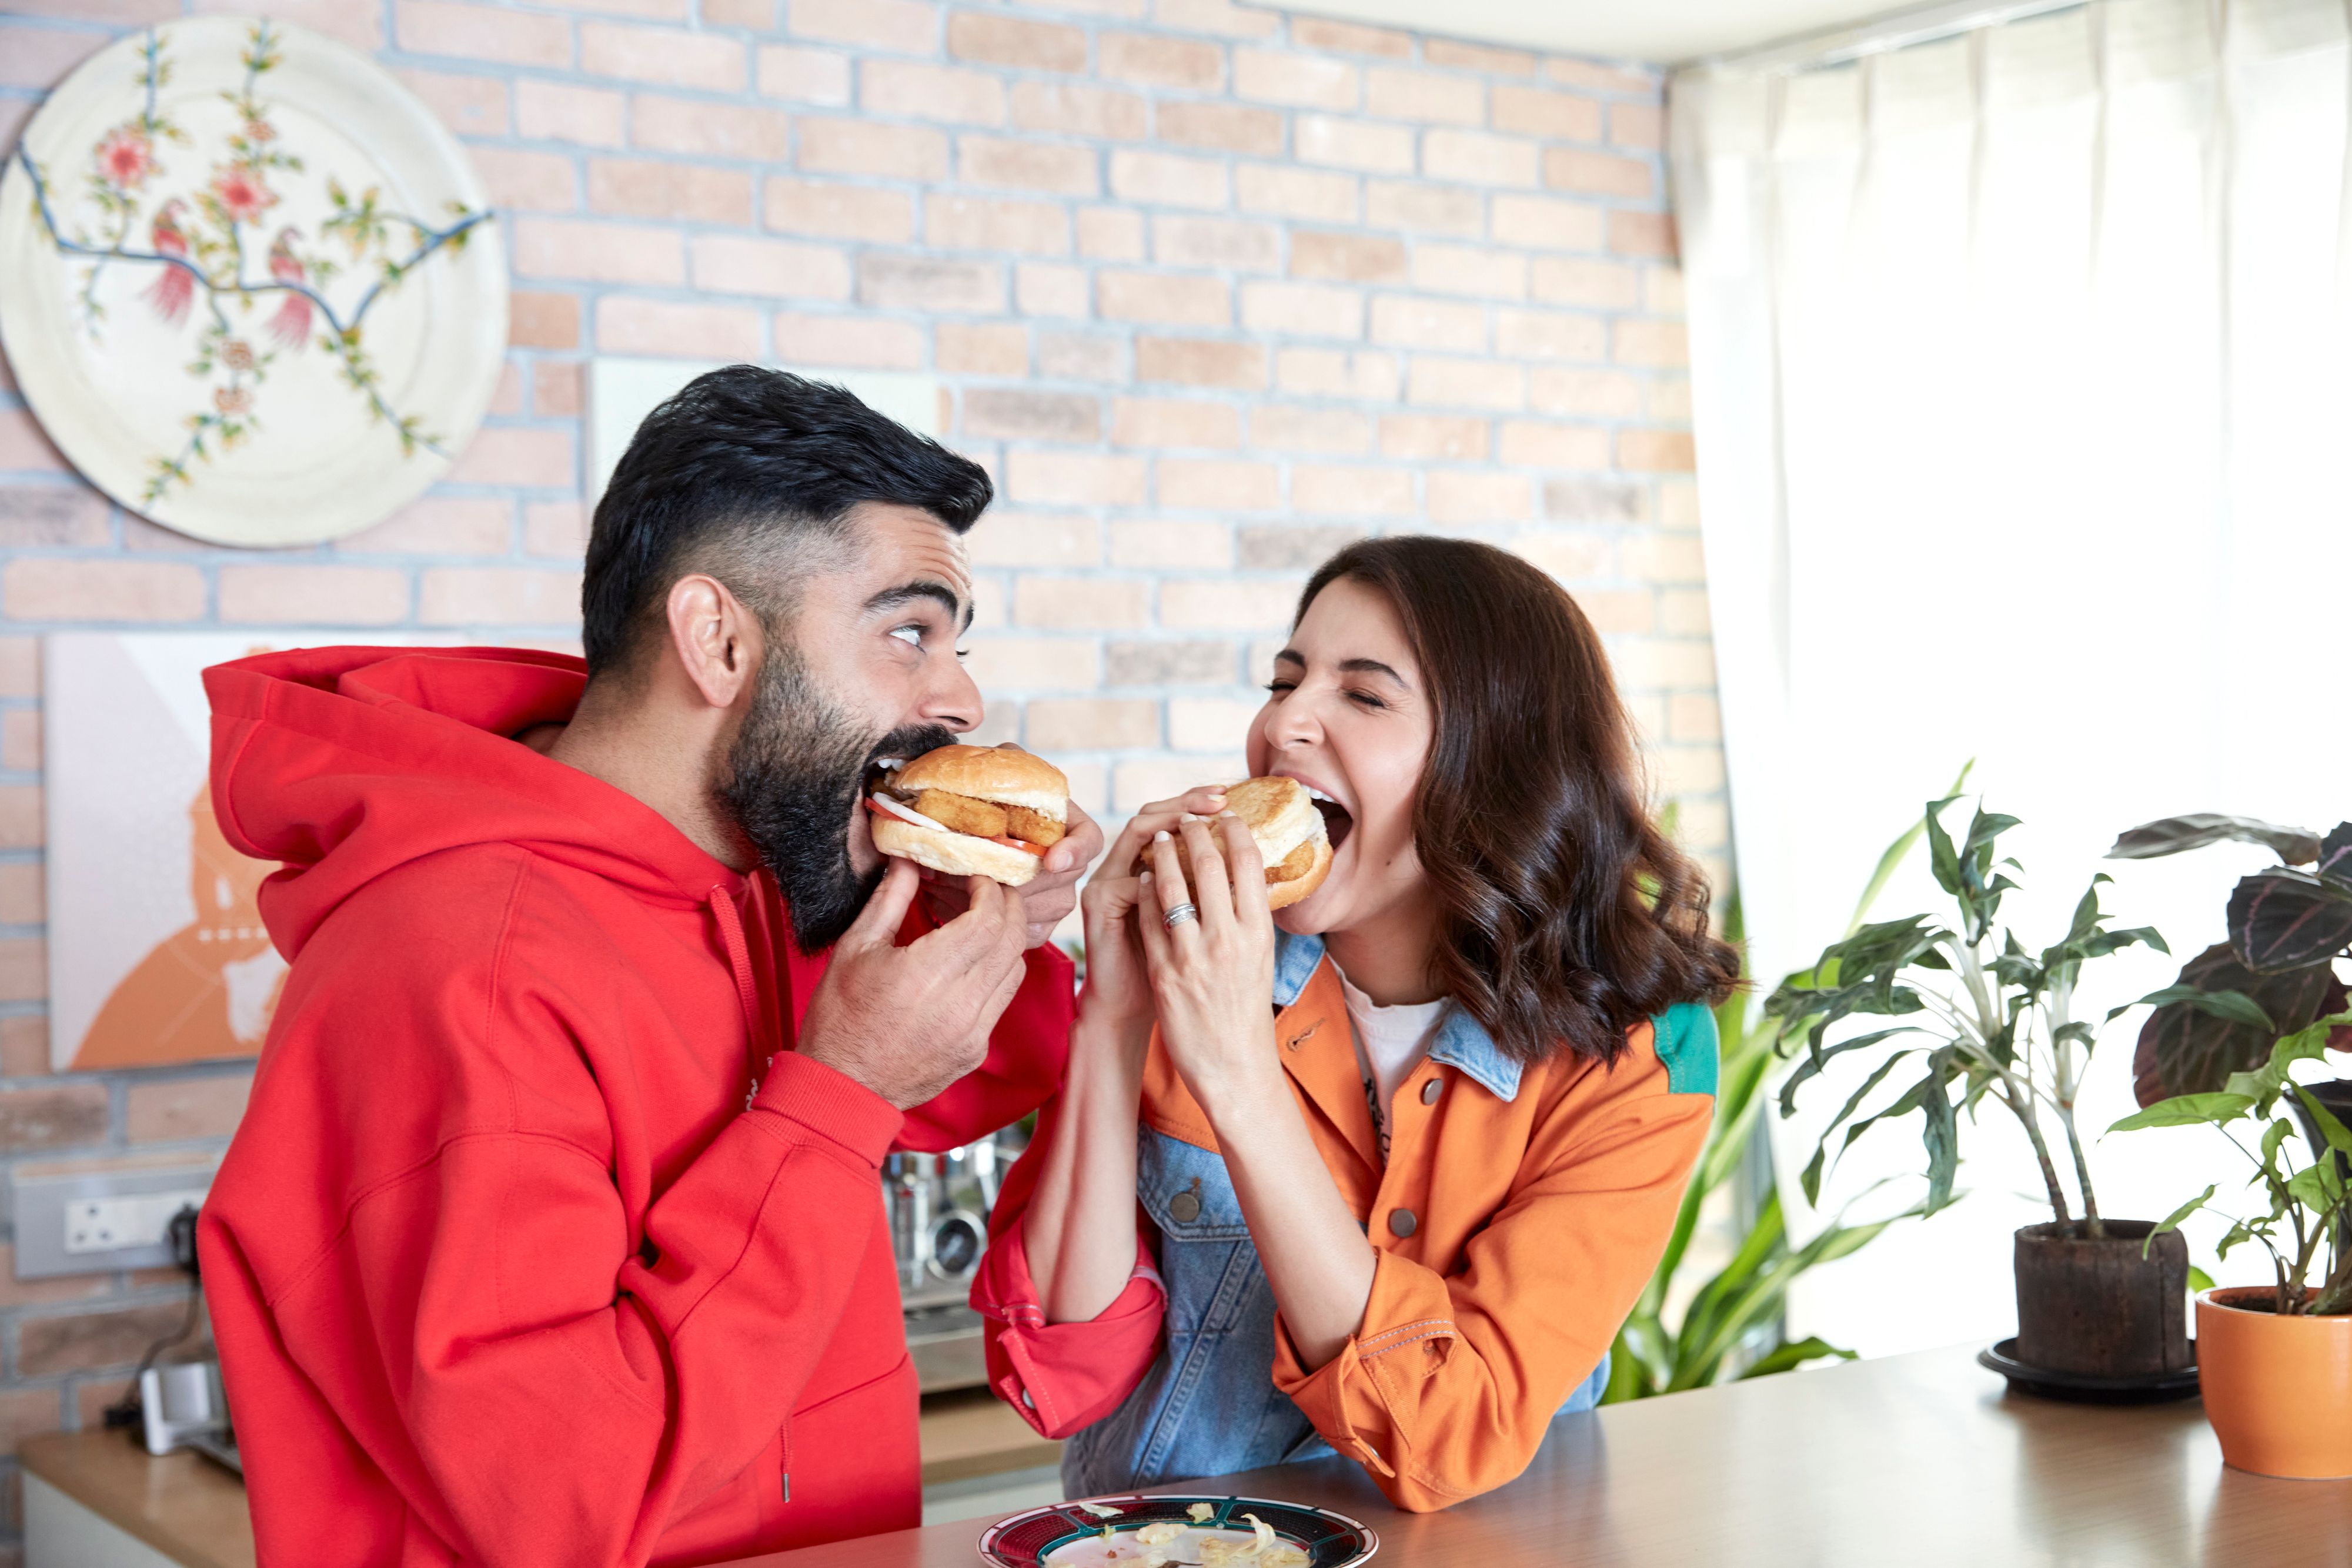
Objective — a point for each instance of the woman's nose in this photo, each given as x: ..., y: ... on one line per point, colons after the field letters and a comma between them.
x: 1292, y: 723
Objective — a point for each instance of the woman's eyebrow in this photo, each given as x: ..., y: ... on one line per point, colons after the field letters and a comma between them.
x: 906, y: 594
x: 1373, y: 667
x: 1350, y: 666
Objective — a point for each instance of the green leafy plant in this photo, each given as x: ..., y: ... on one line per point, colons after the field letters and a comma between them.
x: 1717, y: 1335
x: 2307, y: 1210
x: 2276, y: 974
x: 1985, y: 1019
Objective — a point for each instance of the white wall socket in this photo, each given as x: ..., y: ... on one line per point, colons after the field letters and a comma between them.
x: 108, y: 1224
x: 73, y: 1221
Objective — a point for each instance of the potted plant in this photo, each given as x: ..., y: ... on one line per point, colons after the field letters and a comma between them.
x: 1732, y: 1324
x: 2274, y: 975
x: 1985, y: 1019
x: 2274, y: 1361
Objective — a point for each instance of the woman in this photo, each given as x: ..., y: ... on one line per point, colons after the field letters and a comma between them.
x: 1402, y: 1211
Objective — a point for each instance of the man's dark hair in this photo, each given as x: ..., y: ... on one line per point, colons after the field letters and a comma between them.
x: 737, y: 475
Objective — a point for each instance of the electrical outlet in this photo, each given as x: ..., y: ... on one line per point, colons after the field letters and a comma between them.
x: 109, y: 1224
x: 94, y: 1221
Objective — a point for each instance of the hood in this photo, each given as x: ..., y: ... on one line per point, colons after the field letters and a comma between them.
x: 348, y: 763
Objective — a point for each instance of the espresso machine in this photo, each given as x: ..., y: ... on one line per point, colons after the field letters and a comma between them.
x: 938, y: 1207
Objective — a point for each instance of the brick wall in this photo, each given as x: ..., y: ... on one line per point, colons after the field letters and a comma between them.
x: 1212, y: 290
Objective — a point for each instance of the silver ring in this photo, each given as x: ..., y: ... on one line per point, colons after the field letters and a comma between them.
x: 1180, y: 914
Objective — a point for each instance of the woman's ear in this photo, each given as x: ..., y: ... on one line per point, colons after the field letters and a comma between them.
x: 717, y: 638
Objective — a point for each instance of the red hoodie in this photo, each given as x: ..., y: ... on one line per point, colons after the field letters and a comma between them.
x: 502, y: 1267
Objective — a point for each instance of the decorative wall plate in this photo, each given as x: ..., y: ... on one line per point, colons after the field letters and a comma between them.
x: 248, y: 283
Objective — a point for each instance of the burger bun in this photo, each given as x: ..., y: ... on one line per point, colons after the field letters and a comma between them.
x: 1281, y: 818
x: 1283, y: 894
x: 1005, y: 774
x: 957, y: 854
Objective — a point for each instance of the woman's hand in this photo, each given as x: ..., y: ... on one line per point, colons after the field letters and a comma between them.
x: 1212, y: 975
x: 1118, y: 992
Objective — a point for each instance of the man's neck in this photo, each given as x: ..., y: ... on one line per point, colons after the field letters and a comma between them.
x: 666, y: 765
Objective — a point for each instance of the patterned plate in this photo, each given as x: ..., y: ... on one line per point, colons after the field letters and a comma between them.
x: 1070, y: 1534
x: 250, y: 284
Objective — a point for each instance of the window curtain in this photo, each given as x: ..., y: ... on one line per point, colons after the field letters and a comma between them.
x: 2024, y: 407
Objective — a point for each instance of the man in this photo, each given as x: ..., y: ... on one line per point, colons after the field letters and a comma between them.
x: 554, y: 1234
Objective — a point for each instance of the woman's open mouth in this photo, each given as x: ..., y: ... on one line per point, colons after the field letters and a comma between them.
x: 1337, y: 824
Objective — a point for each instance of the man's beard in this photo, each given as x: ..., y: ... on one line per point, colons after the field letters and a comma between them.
x: 792, y: 781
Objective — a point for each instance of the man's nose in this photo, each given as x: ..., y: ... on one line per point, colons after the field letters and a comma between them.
x: 954, y: 702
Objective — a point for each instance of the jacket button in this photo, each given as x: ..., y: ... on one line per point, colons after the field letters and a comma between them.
x: 1402, y: 1222
x: 1184, y: 1208
x: 1432, y: 1089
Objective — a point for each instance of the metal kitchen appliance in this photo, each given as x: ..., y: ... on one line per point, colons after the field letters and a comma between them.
x: 938, y: 1207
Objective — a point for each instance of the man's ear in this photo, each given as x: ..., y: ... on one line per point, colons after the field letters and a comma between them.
x: 716, y: 637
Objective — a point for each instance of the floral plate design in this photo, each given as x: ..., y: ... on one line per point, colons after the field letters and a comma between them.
x: 248, y: 283
x: 1102, y: 1532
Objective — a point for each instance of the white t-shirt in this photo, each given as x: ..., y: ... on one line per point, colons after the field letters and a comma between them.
x: 1390, y: 1043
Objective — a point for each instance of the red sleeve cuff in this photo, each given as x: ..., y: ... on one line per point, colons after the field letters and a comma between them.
x: 1064, y: 1377
x: 830, y: 1103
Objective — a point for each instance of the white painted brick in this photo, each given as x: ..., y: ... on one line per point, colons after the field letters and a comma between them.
x: 1208, y: 287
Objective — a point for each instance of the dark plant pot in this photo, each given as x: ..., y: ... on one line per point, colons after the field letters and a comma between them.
x: 2099, y: 1307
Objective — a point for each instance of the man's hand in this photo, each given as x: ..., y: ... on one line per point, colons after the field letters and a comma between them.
x: 909, y: 1022
x: 1045, y: 898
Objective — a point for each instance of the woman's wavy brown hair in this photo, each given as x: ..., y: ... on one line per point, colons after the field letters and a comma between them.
x: 1567, y: 917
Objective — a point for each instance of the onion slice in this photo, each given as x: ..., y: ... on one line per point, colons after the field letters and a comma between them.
x: 884, y: 804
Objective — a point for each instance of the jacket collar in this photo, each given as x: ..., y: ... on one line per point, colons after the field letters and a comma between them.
x: 1461, y: 1042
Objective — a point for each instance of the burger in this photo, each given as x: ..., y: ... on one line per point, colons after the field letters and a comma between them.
x: 1293, y: 831
x: 970, y: 810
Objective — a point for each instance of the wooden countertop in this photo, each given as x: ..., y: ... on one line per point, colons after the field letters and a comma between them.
x: 193, y: 1511
x: 184, y: 1506
x: 1914, y: 1460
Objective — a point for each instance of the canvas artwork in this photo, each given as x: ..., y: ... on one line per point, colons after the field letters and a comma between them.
x: 157, y: 952
x: 250, y: 286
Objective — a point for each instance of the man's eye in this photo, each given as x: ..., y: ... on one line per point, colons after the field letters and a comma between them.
x: 910, y: 635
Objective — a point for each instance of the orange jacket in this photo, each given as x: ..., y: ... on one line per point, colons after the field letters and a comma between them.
x: 1519, y: 1214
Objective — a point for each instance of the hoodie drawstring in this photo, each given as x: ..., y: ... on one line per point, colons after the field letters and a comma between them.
x: 738, y: 959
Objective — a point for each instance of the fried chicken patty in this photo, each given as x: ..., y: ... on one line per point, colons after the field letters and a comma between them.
x: 962, y: 813
x: 1033, y: 827
x: 987, y: 820
x: 1300, y: 861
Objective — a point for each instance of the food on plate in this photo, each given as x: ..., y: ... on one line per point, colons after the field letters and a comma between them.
x: 970, y: 810
x: 1266, y: 1550
x: 1125, y: 1537
x: 1296, y: 829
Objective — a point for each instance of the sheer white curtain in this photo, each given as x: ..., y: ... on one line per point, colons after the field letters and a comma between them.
x: 2024, y: 420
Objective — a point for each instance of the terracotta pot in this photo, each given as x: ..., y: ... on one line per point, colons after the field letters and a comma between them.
x: 2098, y: 1308
x: 2277, y: 1389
